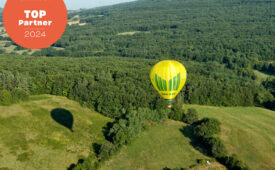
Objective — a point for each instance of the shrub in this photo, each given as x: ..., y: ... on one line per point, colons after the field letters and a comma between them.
x: 207, y: 127
x: 5, y: 97
x: 2, y: 51
x: 202, y: 161
x: 160, y: 104
x: 152, y: 115
x: 233, y: 163
x: 18, y: 48
x: 215, y: 147
x: 106, y: 150
x: 121, y: 137
x: 8, y: 44
x: 88, y: 163
x: 18, y: 95
x: 176, y: 112
x: 191, y: 116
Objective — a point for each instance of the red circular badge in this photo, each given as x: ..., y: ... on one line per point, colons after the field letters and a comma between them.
x: 35, y: 24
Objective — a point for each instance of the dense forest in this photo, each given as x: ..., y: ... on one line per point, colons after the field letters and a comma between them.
x: 220, y: 42
x: 235, y: 33
x: 114, y: 86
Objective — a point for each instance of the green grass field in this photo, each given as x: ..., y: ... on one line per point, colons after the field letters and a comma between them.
x: 163, y: 145
x: 248, y: 132
x: 30, y: 138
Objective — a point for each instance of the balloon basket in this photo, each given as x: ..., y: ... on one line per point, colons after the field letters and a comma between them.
x: 170, y: 105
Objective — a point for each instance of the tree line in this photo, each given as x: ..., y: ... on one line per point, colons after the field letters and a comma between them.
x: 113, y: 86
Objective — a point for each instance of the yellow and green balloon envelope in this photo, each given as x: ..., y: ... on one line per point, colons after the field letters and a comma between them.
x: 168, y: 77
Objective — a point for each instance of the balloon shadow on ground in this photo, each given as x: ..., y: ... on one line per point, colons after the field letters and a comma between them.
x: 63, y: 117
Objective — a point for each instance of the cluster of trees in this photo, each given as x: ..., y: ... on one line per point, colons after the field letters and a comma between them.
x: 121, y: 132
x: 205, y: 130
x: 13, y: 87
x: 265, y: 67
x: 204, y: 135
x: 177, y: 113
x: 269, y: 84
x: 233, y: 163
x: 5, y: 38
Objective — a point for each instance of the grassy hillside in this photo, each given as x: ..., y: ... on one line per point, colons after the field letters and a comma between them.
x: 248, y: 132
x: 34, y: 136
x: 163, y: 145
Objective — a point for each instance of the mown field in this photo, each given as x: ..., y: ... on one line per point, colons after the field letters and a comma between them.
x: 32, y: 137
x: 248, y: 132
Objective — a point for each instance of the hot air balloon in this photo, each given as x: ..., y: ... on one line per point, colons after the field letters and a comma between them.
x: 168, y: 78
